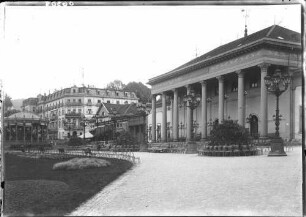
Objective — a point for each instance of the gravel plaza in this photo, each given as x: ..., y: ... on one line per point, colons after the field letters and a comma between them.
x: 188, y: 184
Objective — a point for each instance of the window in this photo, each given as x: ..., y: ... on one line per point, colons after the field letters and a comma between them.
x: 125, y: 94
x: 108, y: 101
x: 73, y: 100
x: 253, y: 83
x: 99, y: 101
x: 117, y: 94
x: 74, y: 110
x: 234, y: 87
x: 89, y: 100
x: 98, y: 92
x: 118, y: 102
x: 73, y: 90
x: 89, y: 111
x: 68, y: 100
x: 126, y: 102
x: 69, y: 111
x: 103, y: 113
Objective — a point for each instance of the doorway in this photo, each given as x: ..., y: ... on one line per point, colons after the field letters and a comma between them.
x: 254, y: 126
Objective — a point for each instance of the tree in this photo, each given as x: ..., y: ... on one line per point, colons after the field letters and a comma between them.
x: 115, y: 85
x: 10, y: 112
x: 141, y: 91
x: 7, y: 102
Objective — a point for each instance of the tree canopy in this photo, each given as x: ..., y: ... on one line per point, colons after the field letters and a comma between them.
x: 115, y: 85
x: 7, y: 102
x: 141, y: 91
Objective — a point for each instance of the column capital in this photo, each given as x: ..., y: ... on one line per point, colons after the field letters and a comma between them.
x: 203, y: 83
x: 263, y: 66
x: 240, y: 73
x: 220, y: 78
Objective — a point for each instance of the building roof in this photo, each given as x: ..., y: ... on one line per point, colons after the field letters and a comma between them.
x: 126, y: 109
x: 273, y: 33
x: 23, y: 115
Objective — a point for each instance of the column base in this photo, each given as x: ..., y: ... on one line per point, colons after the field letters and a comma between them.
x: 277, y: 147
x: 191, y: 147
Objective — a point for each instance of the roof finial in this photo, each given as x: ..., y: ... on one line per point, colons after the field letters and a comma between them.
x: 245, y: 22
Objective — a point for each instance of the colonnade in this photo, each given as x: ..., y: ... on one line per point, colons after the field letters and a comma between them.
x: 41, y: 132
x: 240, y: 108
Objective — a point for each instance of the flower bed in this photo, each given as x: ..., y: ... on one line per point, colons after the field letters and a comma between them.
x: 81, y: 163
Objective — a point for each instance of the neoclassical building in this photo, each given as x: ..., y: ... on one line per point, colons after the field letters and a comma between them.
x: 230, y: 83
x: 25, y: 127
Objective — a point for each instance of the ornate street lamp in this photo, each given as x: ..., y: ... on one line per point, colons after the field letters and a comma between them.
x: 277, y: 84
x: 84, y: 123
x: 192, y: 101
x: 144, y: 110
x: 181, y: 127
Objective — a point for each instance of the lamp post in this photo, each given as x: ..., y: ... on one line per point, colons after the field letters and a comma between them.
x: 113, y: 113
x: 277, y: 84
x: 192, y: 101
x: 181, y: 127
x: 68, y: 124
x: 144, y: 110
x: 96, y: 118
x: 84, y: 123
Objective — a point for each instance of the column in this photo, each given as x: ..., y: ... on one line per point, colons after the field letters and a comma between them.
x: 241, y: 104
x: 221, y: 99
x: 164, y: 118
x: 24, y: 132
x: 291, y: 110
x: 263, y: 101
x: 31, y: 130
x: 37, y: 133
x: 16, y: 132
x: 175, y: 115
x: 204, y: 110
x: 189, y: 117
x: 153, y: 118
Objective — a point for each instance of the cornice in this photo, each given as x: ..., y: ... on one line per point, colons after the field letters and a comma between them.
x: 276, y: 43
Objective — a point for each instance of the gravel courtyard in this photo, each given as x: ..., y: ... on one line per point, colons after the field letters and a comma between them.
x: 178, y: 184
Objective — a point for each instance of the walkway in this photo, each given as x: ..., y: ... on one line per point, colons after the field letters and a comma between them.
x: 177, y: 184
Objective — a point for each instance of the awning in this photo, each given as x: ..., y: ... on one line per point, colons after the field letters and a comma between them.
x: 87, y: 135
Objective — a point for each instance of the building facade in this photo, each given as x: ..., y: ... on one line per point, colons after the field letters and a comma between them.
x: 67, y: 109
x: 119, y: 118
x: 230, y: 82
x: 24, y: 128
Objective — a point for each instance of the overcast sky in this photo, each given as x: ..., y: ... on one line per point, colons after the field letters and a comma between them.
x: 47, y: 48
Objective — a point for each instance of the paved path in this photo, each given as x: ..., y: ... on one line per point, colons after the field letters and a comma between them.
x: 178, y: 184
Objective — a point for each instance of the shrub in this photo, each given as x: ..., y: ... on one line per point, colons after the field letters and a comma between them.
x: 75, y: 141
x: 227, y: 133
x: 81, y: 163
x: 126, y: 140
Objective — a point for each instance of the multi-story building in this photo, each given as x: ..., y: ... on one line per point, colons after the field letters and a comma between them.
x: 29, y: 104
x: 67, y: 109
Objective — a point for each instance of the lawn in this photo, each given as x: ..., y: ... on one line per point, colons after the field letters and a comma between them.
x: 33, y: 188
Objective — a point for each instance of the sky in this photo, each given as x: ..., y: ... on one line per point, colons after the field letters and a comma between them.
x: 44, y: 49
